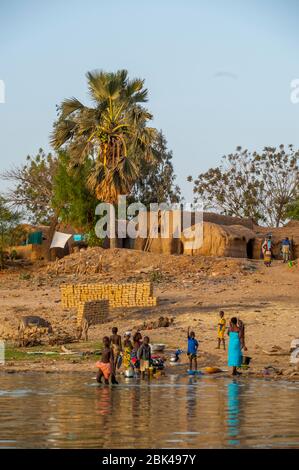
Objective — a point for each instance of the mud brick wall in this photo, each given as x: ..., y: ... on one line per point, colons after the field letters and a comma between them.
x: 137, y: 294
x: 95, y: 312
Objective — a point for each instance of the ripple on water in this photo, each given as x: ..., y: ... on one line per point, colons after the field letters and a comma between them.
x: 73, y: 411
x: 15, y: 393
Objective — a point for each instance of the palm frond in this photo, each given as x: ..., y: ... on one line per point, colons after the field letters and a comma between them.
x: 79, y: 152
x: 70, y: 106
x: 97, y: 85
x: 63, y: 132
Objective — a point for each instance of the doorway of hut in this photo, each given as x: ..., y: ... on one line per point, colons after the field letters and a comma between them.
x: 249, y: 249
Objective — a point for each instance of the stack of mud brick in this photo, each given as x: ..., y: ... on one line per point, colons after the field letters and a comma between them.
x: 95, y: 311
x: 137, y: 294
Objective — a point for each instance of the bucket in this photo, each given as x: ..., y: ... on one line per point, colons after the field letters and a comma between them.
x: 246, y: 360
x: 157, y: 348
x: 174, y: 359
x: 129, y: 373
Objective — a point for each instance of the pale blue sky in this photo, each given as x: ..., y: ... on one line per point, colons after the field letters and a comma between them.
x: 218, y: 71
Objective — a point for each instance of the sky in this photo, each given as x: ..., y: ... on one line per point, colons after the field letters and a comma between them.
x: 218, y: 71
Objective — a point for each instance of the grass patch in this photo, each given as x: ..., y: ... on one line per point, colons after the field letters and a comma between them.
x: 25, y: 277
x: 14, y: 354
x: 156, y: 276
x: 20, y: 354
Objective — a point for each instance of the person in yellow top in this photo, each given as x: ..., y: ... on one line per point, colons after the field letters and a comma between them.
x: 221, y: 330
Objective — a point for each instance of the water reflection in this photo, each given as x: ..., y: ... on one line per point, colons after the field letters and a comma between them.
x: 175, y: 411
x: 233, y: 408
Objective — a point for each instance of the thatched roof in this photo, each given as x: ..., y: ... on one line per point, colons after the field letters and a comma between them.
x: 227, y: 220
x: 219, y: 240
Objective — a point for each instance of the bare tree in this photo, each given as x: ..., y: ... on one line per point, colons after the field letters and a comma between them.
x: 32, y: 186
x: 254, y: 185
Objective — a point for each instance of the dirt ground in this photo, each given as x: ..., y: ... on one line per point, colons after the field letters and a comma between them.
x: 192, y: 290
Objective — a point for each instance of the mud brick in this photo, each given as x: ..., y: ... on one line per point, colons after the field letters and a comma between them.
x: 95, y: 312
x: 138, y: 294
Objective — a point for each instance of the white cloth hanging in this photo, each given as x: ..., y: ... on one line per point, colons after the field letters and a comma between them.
x: 60, y: 239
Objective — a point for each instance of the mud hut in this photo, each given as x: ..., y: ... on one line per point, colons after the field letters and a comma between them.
x: 160, y: 232
x: 235, y: 241
x: 222, y: 235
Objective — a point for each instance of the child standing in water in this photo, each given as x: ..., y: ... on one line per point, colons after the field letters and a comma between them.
x: 106, y: 365
x: 115, y: 342
x: 144, y: 356
x: 221, y: 330
x: 192, y: 349
x: 128, y: 347
x: 137, y: 342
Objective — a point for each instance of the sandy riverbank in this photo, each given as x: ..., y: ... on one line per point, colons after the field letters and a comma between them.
x: 191, y: 290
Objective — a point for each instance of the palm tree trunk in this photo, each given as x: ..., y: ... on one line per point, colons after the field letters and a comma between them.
x: 112, y: 228
x: 113, y: 242
x: 52, y: 229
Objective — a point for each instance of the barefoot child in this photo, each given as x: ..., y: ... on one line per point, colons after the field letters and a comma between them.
x: 221, y: 330
x: 137, y: 342
x: 144, y: 356
x: 106, y: 365
x: 128, y: 347
x: 192, y: 349
x: 115, y: 342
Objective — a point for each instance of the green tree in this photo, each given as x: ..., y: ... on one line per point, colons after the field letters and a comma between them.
x: 9, y: 221
x: 293, y: 210
x: 156, y: 180
x: 71, y: 196
x: 257, y: 185
x: 112, y: 134
x: 48, y: 190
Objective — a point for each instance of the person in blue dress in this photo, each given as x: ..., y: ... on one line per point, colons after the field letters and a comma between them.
x: 286, y: 249
x: 235, y: 346
x: 192, y: 349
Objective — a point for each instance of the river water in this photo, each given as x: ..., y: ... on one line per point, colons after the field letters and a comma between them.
x: 70, y: 411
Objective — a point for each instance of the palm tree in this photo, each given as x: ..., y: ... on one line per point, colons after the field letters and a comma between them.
x: 113, y: 134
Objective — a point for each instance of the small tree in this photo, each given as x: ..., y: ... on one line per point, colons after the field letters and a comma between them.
x: 71, y: 196
x: 33, y: 186
x: 33, y: 190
